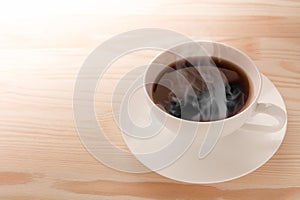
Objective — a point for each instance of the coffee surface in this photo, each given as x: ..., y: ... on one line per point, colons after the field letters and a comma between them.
x: 201, y: 89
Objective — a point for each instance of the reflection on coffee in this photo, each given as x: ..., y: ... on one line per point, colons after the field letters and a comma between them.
x: 188, y: 89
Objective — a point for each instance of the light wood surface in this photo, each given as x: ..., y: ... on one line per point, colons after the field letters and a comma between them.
x: 42, y: 47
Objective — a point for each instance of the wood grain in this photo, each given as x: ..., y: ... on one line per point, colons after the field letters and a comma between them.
x: 42, y: 51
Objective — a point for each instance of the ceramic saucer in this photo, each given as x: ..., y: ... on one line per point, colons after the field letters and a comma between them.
x: 234, y: 156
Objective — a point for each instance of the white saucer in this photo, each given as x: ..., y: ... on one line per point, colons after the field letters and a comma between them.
x: 234, y: 156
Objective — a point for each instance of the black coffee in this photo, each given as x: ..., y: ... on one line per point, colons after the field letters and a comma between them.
x: 181, y: 91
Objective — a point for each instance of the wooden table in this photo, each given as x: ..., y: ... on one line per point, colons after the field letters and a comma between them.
x: 42, y: 47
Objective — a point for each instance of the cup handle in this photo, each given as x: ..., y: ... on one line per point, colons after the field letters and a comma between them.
x: 270, y: 109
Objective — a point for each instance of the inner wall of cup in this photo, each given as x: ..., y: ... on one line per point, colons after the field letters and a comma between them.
x: 209, y: 49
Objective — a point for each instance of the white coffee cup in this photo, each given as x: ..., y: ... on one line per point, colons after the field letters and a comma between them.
x: 225, y: 126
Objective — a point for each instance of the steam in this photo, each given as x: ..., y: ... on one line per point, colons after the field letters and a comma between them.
x: 235, y: 98
x: 200, y: 90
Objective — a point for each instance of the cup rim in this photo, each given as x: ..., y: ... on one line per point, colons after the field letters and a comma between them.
x: 254, y: 100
